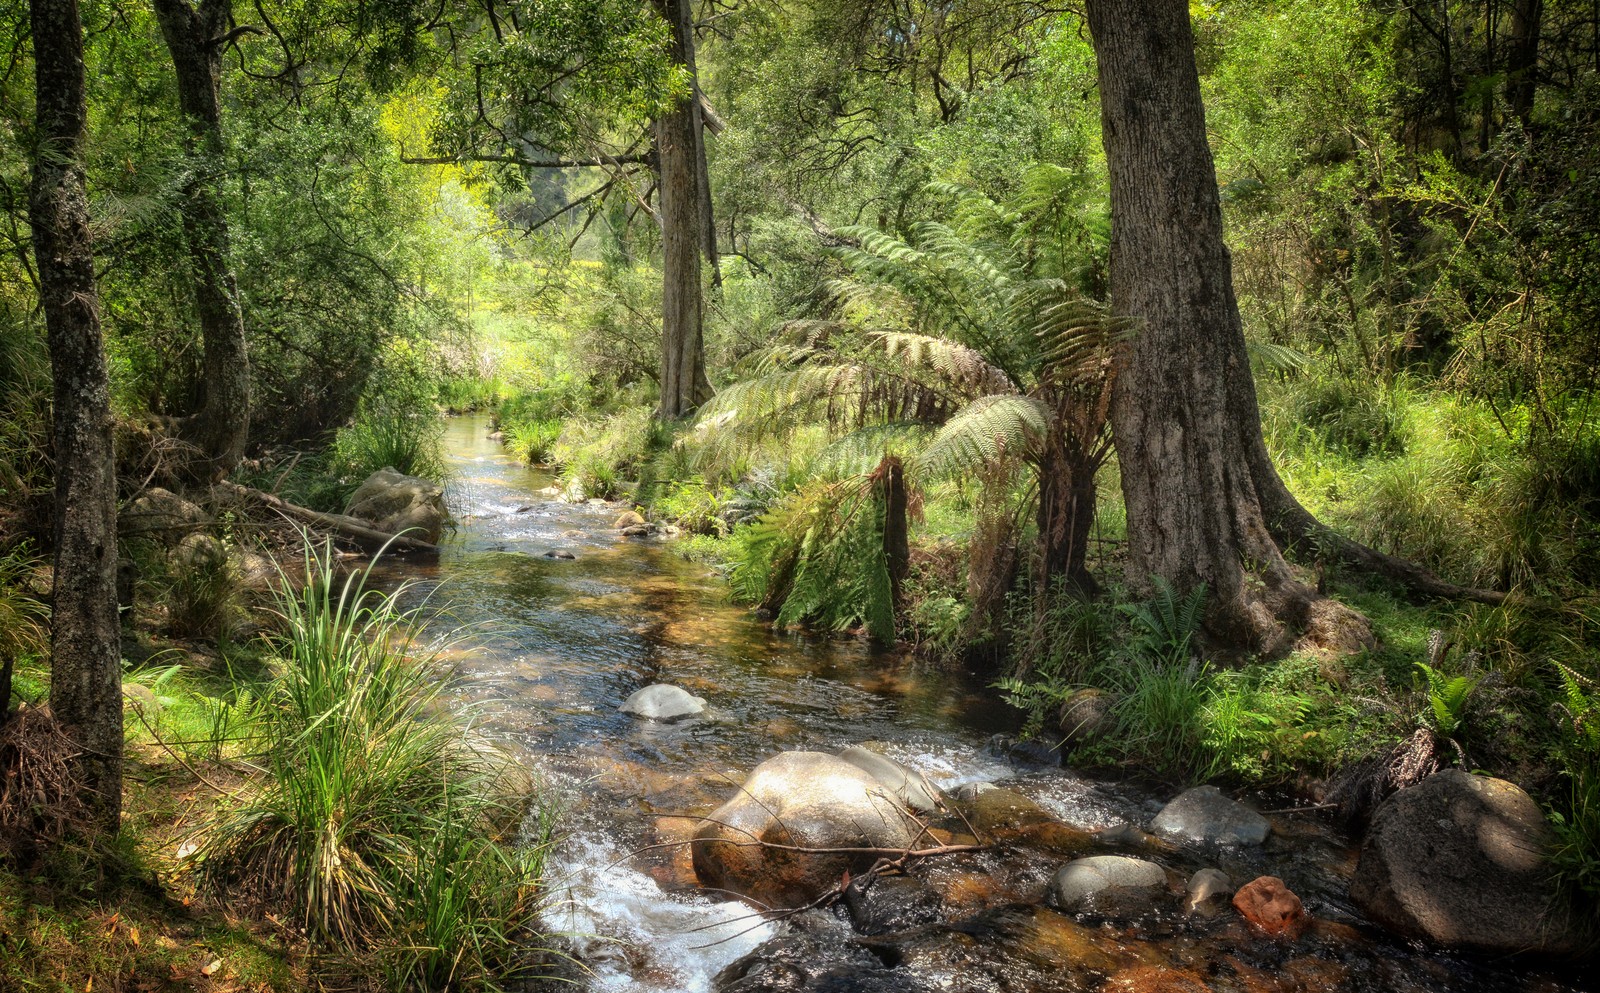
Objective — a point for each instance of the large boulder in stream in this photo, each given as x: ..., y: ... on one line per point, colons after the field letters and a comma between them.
x: 910, y: 786
x: 1461, y: 860
x: 755, y: 844
x: 401, y: 504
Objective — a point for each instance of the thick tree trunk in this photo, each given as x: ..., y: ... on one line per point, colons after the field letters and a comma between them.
x: 1184, y: 411
x: 222, y: 425
x: 85, y: 637
x: 684, y: 385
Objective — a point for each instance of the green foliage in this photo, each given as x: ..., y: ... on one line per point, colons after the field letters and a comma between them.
x: 394, y: 431
x: 817, y: 557
x: 1164, y: 626
x: 534, y: 441
x: 1577, y: 856
x: 378, y: 826
x: 1447, y: 698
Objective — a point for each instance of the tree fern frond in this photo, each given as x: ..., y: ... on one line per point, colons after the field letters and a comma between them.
x: 1281, y: 359
x: 860, y: 451
x: 990, y: 429
x: 962, y: 366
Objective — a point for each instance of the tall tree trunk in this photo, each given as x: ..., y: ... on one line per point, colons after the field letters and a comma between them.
x: 1522, y: 65
x: 1184, y: 413
x: 222, y: 425
x: 86, y: 650
x: 684, y: 385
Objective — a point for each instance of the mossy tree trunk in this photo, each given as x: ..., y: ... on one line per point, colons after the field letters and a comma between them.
x: 1184, y: 411
x: 194, y: 36
x: 85, y: 669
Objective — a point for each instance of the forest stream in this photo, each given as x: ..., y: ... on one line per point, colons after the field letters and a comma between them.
x: 548, y: 646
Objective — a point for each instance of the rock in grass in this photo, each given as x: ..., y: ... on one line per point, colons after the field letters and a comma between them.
x: 401, y: 504
x: 799, y: 822
x: 1106, y: 884
x: 158, y: 511
x: 1461, y: 860
x: 1204, y: 814
x: 663, y: 702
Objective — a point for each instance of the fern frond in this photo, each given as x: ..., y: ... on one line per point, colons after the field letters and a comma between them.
x: 990, y: 429
x: 953, y: 361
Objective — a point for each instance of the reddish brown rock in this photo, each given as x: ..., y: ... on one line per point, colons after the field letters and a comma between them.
x: 1272, y: 907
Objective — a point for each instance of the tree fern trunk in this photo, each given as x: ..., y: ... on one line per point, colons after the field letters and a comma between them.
x: 85, y: 637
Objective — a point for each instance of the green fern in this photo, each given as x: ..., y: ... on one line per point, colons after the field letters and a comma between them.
x: 1447, y: 699
x: 1165, y: 625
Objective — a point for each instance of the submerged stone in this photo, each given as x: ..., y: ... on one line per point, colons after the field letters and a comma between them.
x: 663, y: 702
x: 1204, y: 814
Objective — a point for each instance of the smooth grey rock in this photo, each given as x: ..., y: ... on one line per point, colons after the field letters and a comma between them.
x: 810, y: 805
x: 663, y: 702
x: 1462, y: 860
x: 400, y: 504
x: 1204, y: 814
x: 1208, y: 892
x: 910, y: 786
x: 1106, y: 884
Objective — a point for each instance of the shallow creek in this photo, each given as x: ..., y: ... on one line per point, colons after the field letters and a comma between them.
x: 547, y: 648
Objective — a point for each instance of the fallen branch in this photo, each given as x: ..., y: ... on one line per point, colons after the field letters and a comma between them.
x: 368, y: 538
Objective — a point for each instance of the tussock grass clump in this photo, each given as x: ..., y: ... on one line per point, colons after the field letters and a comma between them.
x: 381, y: 824
x: 395, y: 433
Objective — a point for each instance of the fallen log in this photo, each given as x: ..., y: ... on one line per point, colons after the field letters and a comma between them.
x: 357, y: 530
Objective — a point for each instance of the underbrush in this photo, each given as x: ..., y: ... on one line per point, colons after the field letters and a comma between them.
x: 383, y: 827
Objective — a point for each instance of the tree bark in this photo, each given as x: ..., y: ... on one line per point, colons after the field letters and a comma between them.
x: 684, y: 385
x: 1522, y: 65
x: 1184, y: 413
x: 1065, y: 517
x: 222, y: 425
x: 85, y: 636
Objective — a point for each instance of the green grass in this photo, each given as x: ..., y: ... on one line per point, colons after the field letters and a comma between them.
x: 382, y: 826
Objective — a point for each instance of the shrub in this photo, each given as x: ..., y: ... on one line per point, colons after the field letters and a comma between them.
x: 389, y: 433
x: 377, y: 826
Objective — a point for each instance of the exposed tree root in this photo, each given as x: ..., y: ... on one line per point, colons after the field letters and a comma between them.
x: 42, y: 789
x: 1360, y: 788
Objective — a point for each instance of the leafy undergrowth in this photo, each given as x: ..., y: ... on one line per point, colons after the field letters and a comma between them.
x: 69, y: 924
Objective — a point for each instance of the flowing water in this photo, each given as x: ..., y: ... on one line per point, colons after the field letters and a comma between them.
x: 548, y: 647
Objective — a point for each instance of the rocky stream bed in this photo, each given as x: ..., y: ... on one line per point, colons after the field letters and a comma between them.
x: 1043, y: 880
